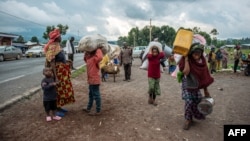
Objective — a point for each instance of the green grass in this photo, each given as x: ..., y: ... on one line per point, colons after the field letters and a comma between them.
x: 78, y: 72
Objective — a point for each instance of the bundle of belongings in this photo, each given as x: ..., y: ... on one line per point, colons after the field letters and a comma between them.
x: 90, y: 43
x: 167, y: 51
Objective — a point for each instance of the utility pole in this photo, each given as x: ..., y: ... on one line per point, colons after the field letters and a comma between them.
x: 78, y: 34
x: 150, y: 28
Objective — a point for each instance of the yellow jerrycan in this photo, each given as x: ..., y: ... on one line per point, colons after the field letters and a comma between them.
x: 183, y: 42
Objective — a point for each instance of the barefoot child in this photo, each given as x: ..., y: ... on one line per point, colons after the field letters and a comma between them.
x: 154, y: 72
x: 49, y: 94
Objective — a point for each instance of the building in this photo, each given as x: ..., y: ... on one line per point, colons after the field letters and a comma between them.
x: 7, y: 38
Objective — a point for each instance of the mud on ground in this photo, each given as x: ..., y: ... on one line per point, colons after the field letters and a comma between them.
x: 126, y: 115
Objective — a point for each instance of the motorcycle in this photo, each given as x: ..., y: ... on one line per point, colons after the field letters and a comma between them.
x: 246, y: 67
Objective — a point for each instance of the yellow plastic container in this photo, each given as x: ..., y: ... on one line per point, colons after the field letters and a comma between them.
x: 183, y: 42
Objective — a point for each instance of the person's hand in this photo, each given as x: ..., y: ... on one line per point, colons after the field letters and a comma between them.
x: 56, y: 80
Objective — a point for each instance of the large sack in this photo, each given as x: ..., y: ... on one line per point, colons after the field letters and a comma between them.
x: 200, y: 39
x: 145, y: 62
x: 151, y: 44
x: 90, y: 43
x: 114, y: 51
x: 168, y: 51
x: 111, y: 69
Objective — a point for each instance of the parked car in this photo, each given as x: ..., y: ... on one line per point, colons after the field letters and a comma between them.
x: 35, y: 51
x: 9, y: 52
x: 137, y: 50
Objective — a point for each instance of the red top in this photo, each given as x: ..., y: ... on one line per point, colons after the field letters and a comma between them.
x: 154, y: 65
x: 93, y: 70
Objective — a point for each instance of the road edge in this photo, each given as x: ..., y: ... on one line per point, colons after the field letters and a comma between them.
x: 25, y: 95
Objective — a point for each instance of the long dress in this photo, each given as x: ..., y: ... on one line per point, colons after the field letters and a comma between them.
x: 65, y: 92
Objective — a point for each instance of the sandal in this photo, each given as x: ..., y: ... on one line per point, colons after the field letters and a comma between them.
x: 57, y: 118
x: 60, y: 114
x: 63, y: 110
x: 154, y: 103
x: 187, y: 124
x: 86, y: 110
x: 48, y: 118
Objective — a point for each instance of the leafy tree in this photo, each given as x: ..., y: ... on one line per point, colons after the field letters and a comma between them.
x: 64, y: 43
x: 167, y: 35
x: 121, y: 40
x: 196, y: 30
x: 63, y: 30
x: 34, y: 39
x: 20, y: 39
x: 214, y: 32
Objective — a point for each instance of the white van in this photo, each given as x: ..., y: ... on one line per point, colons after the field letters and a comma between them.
x: 137, y: 51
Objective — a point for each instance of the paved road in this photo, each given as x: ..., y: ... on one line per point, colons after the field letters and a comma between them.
x: 18, y: 76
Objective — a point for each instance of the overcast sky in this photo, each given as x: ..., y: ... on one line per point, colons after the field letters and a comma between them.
x: 114, y: 18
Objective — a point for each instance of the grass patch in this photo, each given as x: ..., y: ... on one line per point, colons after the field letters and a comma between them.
x: 78, y: 72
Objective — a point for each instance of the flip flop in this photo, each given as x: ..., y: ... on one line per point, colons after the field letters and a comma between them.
x: 60, y: 114
x: 63, y: 110
x: 48, y: 118
x: 56, y: 118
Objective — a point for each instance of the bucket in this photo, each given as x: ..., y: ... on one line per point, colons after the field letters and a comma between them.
x: 183, y: 42
x: 206, y: 106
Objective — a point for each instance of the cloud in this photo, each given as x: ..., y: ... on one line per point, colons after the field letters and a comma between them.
x: 114, y: 18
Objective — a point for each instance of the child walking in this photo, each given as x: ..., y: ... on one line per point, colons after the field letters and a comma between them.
x: 49, y: 94
x: 154, y: 72
x: 92, y: 60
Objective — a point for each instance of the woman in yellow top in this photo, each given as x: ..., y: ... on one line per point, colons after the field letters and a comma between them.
x: 104, y: 62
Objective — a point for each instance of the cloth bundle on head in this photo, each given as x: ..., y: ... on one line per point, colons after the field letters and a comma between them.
x: 197, y: 38
x: 52, y: 36
x: 151, y: 44
x: 91, y: 42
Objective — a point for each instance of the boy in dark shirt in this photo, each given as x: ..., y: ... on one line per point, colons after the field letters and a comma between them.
x: 49, y: 94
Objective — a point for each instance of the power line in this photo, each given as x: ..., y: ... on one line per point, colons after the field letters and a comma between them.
x: 22, y: 18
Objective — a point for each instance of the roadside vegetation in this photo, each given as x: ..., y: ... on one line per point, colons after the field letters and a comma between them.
x: 78, y: 72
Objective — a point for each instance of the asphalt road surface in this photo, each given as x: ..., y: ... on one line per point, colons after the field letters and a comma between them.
x: 18, y: 76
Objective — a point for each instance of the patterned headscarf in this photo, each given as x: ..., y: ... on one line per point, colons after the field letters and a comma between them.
x: 52, y: 36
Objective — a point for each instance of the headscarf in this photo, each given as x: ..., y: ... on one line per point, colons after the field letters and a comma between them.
x: 199, y: 70
x: 52, y: 36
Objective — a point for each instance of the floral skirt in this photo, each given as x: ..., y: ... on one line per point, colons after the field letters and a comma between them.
x: 192, y: 99
x: 65, y: 92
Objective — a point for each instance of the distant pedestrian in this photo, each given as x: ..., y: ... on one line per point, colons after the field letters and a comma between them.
x: 92, y: 60
x: 195, y: 76
x: 171, y: 64
x: 218, y: 57
x: 237, y: 57
x: 154, y: 56
x: 212, y: 60
x: 126, y: 61
x: 49, y: 95
x: 224, y: 58
x: 70, y: 50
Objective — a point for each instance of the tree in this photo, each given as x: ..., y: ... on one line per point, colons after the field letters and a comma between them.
x: 214, y: 33
x: 20, y: 39
x: 34, y: 39
x: 196, y: 30
x: 167, y: 35
x: 63, y: 30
